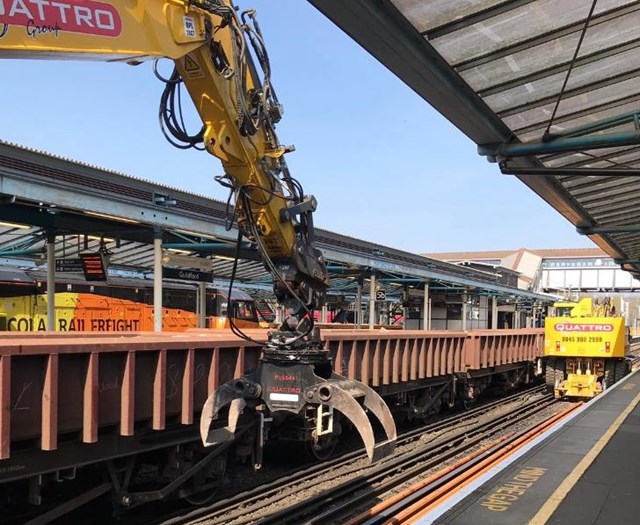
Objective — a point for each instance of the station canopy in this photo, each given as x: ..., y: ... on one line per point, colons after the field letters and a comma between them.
x: 547, y: 89
x: 79, y: 210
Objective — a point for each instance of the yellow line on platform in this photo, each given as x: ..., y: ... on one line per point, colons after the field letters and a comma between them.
x: 563, y: 489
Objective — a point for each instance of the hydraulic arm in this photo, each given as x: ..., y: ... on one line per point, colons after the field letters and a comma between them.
x: 221, y: 60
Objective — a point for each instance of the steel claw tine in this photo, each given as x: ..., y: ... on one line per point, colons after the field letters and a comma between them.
x: 217, y: 436
x: 349, y: 408
x: 227, y: 394
x: 374, y: 403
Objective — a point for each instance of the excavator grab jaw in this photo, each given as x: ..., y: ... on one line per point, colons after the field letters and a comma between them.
x: 303, y: 388
x: 343, y: 395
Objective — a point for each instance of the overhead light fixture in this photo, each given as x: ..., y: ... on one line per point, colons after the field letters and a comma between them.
x: 187, y: 261
x: 167, y: 201
x: 196, y: 234
x: 15, y: 225
x: 224, y: 257
x: 97, y: 238
x: 111, y: 217
x: 178, y: 250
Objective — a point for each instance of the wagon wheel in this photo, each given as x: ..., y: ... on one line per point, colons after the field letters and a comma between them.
x: 550, y: 373
x: 620, y: 370
x: 206, y: 484
x: 202, y: 497
x: 609, y: 374
x: 321, y: 450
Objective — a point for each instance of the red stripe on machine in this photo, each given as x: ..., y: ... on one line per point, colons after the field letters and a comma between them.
x: 48, y: 16
x: 583, y: 327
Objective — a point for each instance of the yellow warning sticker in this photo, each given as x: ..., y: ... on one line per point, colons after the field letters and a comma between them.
x: 192, y: 68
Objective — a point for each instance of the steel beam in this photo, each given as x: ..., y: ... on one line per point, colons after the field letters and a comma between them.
x: 157, y: 281
x: 591, y: 230
x: 584, y: 172
x: 494, y: 152
x: 51, y: 281
x: 600, y: 125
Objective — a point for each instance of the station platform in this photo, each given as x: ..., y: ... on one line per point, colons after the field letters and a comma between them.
x: 584, y: 470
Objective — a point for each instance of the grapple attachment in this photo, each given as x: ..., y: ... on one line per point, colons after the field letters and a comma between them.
x: 292, y: 384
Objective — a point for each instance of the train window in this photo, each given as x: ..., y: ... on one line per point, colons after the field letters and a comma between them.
x: 181, y: 299
x: 244, y: 310
x: 454, y: 312
x: 211, y: 304
x: 563, y: 311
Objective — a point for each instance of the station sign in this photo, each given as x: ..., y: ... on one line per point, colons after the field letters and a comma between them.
x: 69, y: 265
x: 381, y: 295
x: 187, y: 275
x: 94, y: 266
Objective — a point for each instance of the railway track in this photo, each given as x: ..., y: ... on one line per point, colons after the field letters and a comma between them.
x: 634, y: 354
x: 421, y: 497
x: 358, y: 484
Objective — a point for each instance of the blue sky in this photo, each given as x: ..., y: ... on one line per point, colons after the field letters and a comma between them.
x: 384, y: 166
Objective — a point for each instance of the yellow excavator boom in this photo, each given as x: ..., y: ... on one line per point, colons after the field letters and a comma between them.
x: 220, y: 57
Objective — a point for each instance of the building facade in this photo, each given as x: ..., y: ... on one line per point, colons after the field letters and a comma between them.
x: 566, y: 273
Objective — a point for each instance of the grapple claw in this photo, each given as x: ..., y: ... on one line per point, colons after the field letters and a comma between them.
x: 376, y: 405
x: 294, y: 379
x: 342, y: 394
x: 233, y: 393
x: 344, y: 402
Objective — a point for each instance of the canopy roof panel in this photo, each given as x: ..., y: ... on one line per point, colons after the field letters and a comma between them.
x: 547, y: 89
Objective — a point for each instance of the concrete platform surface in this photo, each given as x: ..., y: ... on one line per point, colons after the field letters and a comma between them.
x: 584, y: 470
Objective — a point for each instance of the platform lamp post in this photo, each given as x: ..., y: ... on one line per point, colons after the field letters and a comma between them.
x: 202, y: 305
x: 465, y: 309
x: 372, y: 301
x: 51, y: 280
x: 426, y: 308
x: 157, y: 280
x: 405, y: 308
x: 358, y: 316
x: 494, y: 312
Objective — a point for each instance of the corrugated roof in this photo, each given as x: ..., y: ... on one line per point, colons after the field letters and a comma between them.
x: 547, y: 89
x: 470, y: 256
x: 501, y: 254
x: 572, y: 252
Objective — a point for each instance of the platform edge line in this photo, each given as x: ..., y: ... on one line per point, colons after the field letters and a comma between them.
x: 563, y: 489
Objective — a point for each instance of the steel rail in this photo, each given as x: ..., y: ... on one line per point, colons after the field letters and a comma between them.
x: 426, y: 498
x: 383, y: 479
x: 262, y: 491
x: 405, y: 466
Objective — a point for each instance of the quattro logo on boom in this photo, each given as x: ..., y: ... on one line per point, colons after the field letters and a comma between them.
x: 76, y: 16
